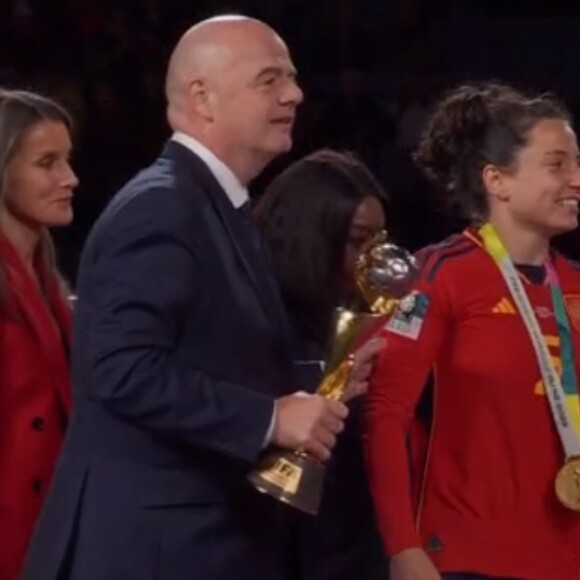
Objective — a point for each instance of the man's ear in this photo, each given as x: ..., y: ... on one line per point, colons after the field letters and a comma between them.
x: 200, y: 99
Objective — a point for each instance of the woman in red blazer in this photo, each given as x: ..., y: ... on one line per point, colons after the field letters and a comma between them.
x: 36, y: 188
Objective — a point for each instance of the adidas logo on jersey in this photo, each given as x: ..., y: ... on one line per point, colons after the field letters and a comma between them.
x: 504, y: 306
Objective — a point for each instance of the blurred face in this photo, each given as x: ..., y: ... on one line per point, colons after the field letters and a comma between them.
x: 543, y: 191
x: 39, y: 182
x: 254, y: 102
x: 368, y: 220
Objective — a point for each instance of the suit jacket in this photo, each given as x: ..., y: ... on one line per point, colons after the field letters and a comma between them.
x: 180, y: 349
x: 34, y: 401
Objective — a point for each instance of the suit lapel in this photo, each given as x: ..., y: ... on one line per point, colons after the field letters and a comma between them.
x: 251, y: 258
x: 255, y: 265
x: 35, y: 314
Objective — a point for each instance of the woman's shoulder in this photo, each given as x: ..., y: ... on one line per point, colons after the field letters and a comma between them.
x: 568, y: 270
x: 450, y: 255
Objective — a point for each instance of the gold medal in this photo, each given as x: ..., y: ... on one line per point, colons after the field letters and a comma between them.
x: 567, y: 484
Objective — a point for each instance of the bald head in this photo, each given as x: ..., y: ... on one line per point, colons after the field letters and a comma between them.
x: 231, y: 85
x: 209, y: 48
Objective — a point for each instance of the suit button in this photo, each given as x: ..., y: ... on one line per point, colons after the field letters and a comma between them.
x: 37, y: 484
x: 38, y: 423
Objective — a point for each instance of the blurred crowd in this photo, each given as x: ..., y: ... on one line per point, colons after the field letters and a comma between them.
x: 369, y: 68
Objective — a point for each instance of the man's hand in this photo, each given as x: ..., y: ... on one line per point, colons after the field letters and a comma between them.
x: 308, y: 423
x: 413, y: 564
x: 362, y: 366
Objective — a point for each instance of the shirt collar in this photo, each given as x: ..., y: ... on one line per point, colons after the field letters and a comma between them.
x: 235, y: 191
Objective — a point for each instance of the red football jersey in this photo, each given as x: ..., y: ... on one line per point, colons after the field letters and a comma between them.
x: 487, y: 502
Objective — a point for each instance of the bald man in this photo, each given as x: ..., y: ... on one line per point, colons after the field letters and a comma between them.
x: 181, y: 364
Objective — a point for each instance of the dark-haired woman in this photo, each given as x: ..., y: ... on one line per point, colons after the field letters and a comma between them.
x: 495, y: 316
x: 315, y: 218
x: 36, y: 188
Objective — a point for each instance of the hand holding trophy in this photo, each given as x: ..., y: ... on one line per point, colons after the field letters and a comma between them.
x: 385, y: 274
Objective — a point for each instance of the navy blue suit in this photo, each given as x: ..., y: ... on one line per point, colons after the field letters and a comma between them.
x: 180, y: 347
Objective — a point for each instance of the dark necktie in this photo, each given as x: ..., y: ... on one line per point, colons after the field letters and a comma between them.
x: 245, y: 210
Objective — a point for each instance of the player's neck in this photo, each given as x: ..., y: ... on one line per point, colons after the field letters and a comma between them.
x: 524, y: 245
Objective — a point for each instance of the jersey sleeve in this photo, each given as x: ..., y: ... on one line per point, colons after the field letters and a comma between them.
x: 414, y: 336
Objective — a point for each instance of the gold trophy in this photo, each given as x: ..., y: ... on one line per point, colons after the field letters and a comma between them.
x: 385, y: 274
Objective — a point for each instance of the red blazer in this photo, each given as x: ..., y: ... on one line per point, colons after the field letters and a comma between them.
x: 35, y: 401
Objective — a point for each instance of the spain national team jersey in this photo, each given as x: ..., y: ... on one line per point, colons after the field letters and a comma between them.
x: 487, y: 502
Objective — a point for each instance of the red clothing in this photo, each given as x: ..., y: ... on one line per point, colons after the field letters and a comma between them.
x: 35, y: 400
x: 487, y: 503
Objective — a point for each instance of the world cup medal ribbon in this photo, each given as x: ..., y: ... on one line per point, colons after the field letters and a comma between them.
x: 573, y: 308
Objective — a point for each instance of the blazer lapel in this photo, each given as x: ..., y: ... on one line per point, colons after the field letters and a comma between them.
x: 256, y: 266
x: 62, y: 313
x: 251, y: 257
x: 35, y: 313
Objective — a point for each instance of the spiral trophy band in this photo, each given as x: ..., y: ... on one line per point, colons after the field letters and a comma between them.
x: 385, y: 274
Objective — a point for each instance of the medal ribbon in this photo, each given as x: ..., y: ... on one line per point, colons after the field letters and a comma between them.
x: 555, y: 389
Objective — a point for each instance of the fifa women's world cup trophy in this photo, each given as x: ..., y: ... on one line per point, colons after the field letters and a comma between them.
x: 385, y: 274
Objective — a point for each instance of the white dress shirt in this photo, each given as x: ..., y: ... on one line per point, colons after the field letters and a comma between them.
x: 235, y: 191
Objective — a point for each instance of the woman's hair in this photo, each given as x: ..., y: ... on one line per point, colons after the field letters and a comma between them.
x: 305, y: 216
x: 475, y: 125
x: 19, y: 112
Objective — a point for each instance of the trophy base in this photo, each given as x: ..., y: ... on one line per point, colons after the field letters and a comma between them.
x: 292, y: 478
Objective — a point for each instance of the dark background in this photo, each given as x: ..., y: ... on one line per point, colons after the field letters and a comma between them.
x: 369, y: 69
